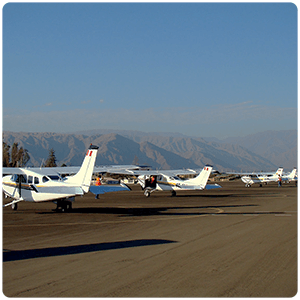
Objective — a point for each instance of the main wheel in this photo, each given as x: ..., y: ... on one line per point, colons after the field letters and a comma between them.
x: 66, y: 206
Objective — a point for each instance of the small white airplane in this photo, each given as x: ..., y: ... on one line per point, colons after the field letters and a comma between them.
x: 46, y: 184
x: 291, y: 177
x: 167, y: 180
x: 261, y: 178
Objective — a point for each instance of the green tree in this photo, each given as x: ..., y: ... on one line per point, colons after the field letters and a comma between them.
x: 17, y: 158
x: 14, y: 155
x: 23, y: 157
x: 51, y: 160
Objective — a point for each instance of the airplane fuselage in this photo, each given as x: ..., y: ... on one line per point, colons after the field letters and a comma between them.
x: 174, y: 183
x: 167, y: 183
x: 35, y: 187
x: 259, y: 179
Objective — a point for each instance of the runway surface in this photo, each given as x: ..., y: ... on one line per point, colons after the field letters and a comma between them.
x: 234, y: 241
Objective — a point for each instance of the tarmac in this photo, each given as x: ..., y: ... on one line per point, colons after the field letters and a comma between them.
x: 229, y: 242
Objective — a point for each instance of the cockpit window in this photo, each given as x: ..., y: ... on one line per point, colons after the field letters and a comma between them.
x: 45, y: 179
x: 14, y: 177
x: 19, y: 177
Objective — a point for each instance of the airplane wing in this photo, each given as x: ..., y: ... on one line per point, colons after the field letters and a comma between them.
x: 42, y: 171
x: 113, y: 168
x: 252, y: 173
x: 11, y: 171
x: 153, y: 172
x: 247, y: 173
x: 73, y: 170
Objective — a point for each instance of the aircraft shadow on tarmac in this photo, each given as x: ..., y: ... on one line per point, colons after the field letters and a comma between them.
x: 69, y: 250
x: 204, y: 196
x: 158, y: 211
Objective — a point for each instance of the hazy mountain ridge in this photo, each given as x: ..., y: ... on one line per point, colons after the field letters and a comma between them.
x: 280, y: 147
x: 113, y: 149
x: 161, y: 152
x: 221, y: 156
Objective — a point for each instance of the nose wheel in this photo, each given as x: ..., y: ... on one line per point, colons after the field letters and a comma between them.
x: 14, y: 206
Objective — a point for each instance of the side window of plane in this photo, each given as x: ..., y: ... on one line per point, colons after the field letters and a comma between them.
x: 54, y: 177
x: 36, y: 180
x: 45, y: 179
x: 30, y: 179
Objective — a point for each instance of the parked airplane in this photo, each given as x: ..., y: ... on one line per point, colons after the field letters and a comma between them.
x: 261, y: 178
x: 167, y: 180
x: 291, y: 177
x: 46, y: 184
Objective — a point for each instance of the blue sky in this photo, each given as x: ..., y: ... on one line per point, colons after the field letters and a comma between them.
x: 199, y: 69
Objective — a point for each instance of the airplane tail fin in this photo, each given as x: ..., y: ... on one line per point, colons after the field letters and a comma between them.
x: 202, y: 178
x: 279, y: 172
x: 293, y: 173
x: 84, y: 175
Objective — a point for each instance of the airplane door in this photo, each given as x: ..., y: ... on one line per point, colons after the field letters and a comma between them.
x: 153, y: 181
x: 150, y: 182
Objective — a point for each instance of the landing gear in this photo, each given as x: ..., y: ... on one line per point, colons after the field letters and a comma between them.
x: 63, y: 205
x: 14, y: 206
x: 67, y: 206
x: 173, y: 194
x: 148, y: 192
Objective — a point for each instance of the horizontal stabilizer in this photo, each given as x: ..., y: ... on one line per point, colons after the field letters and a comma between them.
x: 212, y: 186
x: 102, y: 189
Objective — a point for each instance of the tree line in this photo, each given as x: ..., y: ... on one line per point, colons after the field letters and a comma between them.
x: 16, y: 157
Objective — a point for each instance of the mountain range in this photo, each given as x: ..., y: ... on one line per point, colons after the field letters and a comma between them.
x: 264, y: 151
